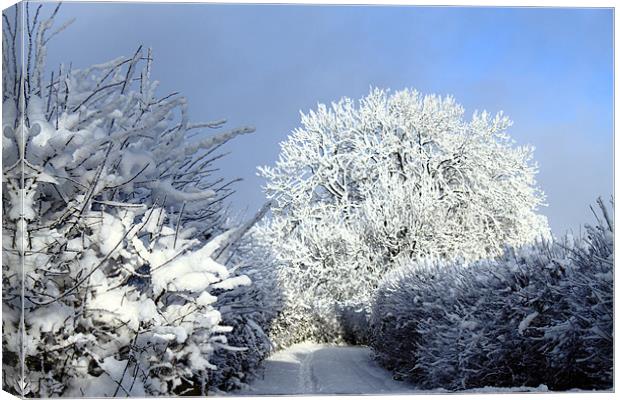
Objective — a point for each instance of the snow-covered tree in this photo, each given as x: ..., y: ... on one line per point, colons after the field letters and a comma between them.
x: 109, y: 199
x: 362, y: 185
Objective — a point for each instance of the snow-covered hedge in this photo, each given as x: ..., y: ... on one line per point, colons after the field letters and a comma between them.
x: 112, y: 226
x: 312, y: 321
x: 539, y: 315
x: 250, y: 311
x: 319, y: 321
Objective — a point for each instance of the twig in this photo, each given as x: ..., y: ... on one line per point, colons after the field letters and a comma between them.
x: 176, y: 233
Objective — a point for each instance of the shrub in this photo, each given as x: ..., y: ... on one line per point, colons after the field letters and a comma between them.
x: 250, y: 312
x: 538, y: 315
x: 110, y: 231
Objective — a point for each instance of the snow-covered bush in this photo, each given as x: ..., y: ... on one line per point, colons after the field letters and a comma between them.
x: 109, y: 200
x: 248, y: 310
x: 539, y: 315
x: 302, y: 320
x: 361, y: 185
x: 407, y: 295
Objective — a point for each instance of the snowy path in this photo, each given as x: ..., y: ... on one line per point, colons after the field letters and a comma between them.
x: 324, y: 369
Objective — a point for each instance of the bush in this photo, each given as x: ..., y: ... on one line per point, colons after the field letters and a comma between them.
x: 539, y: 315
x: 250, y: 312
x: 111, y: 226
x: 312, y: 309
x: 406, y: 296
x: 312, y: 321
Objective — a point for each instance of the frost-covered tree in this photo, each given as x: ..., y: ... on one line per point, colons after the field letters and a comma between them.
x: 361, y: 185
x: 109, y: 202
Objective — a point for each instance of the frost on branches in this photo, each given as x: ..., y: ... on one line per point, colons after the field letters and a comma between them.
x: 250, y: 311
x: 108, y: 202
x: 539, y: 315
x: 362, y: 185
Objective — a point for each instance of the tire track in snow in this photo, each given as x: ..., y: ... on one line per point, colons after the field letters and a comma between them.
x: 309, y: 382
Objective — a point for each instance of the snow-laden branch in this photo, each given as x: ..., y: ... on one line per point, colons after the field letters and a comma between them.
x: 109, y: 208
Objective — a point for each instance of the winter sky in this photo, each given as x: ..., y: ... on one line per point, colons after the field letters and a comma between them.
x: 550, y: 70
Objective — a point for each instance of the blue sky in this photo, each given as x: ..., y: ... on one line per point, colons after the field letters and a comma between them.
x: 550, y: 70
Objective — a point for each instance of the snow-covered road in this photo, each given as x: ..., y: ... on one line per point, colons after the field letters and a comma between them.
x: 324, y: 369
x: 309, y: 368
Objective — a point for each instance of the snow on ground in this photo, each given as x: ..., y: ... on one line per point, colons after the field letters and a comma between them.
x: 309, y: 368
